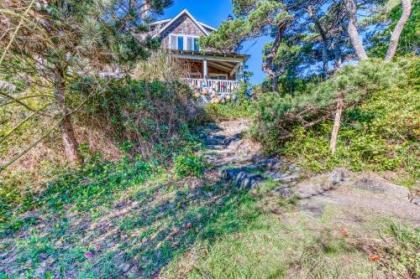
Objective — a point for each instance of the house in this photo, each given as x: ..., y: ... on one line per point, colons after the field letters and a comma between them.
x: 213, y: 75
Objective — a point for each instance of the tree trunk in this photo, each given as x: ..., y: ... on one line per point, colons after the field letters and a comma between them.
x: 325, y: 44
x: 337, y: 123
x: 71, y: 146
x: 337, y: 56
x: 268, y: 66
x: 355, y: 39
x: 324, y: 60
x: 395, y: 36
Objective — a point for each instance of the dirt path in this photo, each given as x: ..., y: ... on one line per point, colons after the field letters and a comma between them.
x: 239, y: 160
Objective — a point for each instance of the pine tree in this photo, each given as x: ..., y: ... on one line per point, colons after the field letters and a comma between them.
x: 51, y: 42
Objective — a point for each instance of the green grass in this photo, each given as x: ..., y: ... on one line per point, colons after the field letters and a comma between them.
x: 243, y: 108
x: 293, y: 245
x: 112, y: 217
x: 129, y: 220
x: 189, y: 165
x: 271, y: 248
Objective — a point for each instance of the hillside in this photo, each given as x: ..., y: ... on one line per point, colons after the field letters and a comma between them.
x: 134, y: 144
x: 380, y: 133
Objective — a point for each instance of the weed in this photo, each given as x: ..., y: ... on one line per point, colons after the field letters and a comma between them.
x: 189, y: 165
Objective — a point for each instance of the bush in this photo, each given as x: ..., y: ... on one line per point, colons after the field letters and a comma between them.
x: 134, y: 119
x: 378, y: 131
x: 189, y: 165
x: 148, y: 118
x: 242, y: 107
x: 278, y: 116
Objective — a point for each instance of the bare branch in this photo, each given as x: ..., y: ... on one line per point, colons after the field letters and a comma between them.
x: 16, y: 32
x: 21, y: 103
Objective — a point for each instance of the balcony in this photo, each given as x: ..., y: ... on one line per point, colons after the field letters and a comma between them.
x: 213, y: 90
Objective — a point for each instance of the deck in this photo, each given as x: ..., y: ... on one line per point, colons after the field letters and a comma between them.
x: 213, y: 90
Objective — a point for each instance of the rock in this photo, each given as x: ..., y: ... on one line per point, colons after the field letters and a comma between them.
x: 416, y: 201
x: 370, y: 184
x: 358, y: 194
x: 125, y: 267
x: 338, y: 176
x: 285, y: 177
x: 241, y: 178
x: 284, y: 192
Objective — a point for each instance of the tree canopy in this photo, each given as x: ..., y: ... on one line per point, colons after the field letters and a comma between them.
x: 310, y: 38
x: 52, y: 43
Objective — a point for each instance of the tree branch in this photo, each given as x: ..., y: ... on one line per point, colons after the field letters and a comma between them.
x: 21, y: 103
x: 16, y: 32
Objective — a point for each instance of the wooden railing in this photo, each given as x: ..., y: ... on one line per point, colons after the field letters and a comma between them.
x: 219, y: 86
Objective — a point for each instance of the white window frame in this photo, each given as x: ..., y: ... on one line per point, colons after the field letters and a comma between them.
x: 185, y: 39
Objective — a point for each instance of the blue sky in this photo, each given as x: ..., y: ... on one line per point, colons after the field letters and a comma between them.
x: 214, y: 12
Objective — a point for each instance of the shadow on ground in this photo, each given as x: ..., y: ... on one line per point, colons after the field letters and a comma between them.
x: 120, y: 225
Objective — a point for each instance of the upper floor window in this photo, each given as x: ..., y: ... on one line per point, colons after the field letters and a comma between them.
x: 180, y: 43
x: 184, y: 42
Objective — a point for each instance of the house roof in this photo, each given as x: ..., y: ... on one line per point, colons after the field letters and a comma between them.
x: 169, y: 22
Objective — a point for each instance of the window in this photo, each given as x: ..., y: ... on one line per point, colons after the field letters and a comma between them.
x: 190, y: 43
x: 180, y: 42
x: 196, y: 44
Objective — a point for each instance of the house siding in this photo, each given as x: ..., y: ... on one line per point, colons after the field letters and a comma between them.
x: 183, y: 26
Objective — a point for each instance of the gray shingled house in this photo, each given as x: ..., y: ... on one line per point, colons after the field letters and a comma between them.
x: 207, y: 71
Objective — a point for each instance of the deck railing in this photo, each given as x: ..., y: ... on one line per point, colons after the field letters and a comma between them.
x: 219, y: 86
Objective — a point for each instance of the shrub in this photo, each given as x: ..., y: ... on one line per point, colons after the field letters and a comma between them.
x: 242, y: 107
x: 130, y: 119
x: 378, y: 131
x: 189, y: 165
x: 149, y: 117
x: 277, y: 116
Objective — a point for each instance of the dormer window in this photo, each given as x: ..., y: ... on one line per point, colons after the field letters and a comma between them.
x: 184, y: 42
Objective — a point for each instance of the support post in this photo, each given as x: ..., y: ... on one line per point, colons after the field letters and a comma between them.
x: 240, y: 72
x: 205, y: 69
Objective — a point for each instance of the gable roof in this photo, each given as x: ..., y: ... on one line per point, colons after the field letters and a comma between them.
x: 169, y: 22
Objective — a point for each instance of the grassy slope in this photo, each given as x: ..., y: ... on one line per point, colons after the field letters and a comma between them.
x: 280, y: 242
x: 380, y: 134
x: 134, y: 220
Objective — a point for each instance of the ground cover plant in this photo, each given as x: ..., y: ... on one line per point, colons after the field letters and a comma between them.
x: 379, y: 133
x: 110, y: 169
x: 111, y: 218
x: 241, y: 107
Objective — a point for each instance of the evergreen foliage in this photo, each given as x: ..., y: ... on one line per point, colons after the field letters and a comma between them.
x: 310, y: 38
x: 379, y: 128
x: 410, y: 37
x: 54, y: 42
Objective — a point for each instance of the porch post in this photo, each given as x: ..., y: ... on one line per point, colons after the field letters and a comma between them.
x: 205, y: 69
x: 240, y: 72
